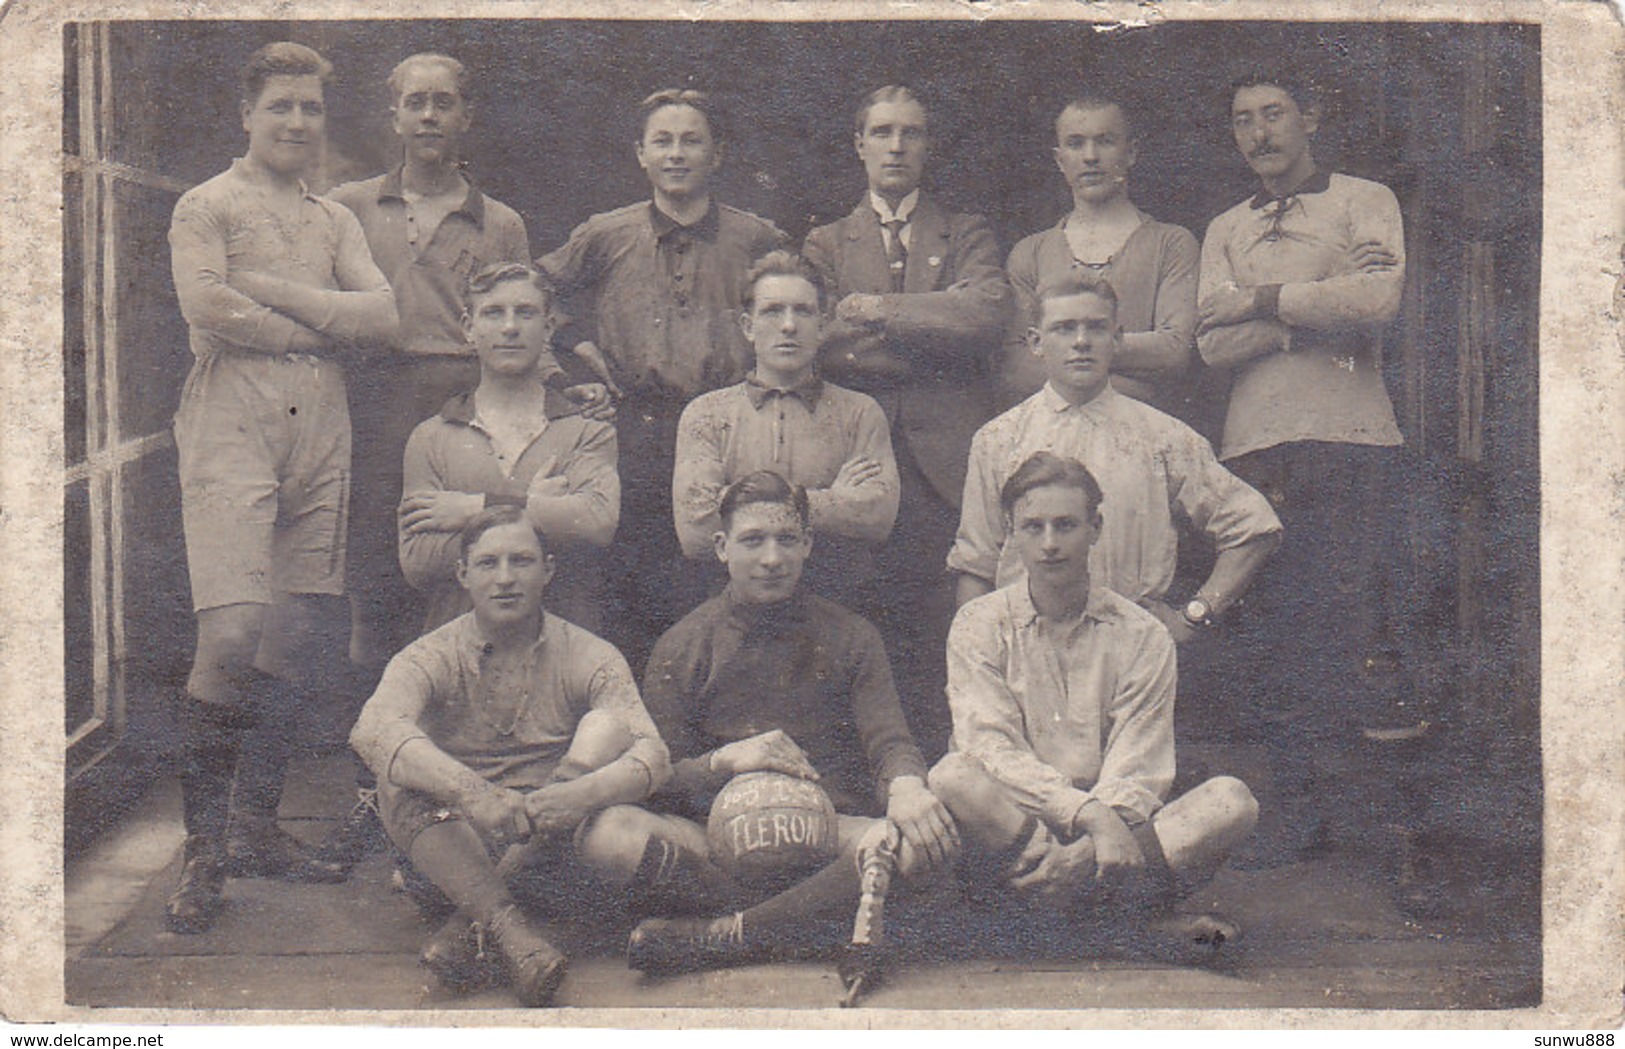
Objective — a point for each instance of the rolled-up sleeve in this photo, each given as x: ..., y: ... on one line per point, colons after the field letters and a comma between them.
x: 1216, y: 502
x: 981, y: 522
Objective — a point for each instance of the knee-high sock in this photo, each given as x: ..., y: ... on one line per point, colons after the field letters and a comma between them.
x: 210, y: 739
x: 452, y: 856
x: 673, y: 879
x: 808, y: 908
x: 262, y: 762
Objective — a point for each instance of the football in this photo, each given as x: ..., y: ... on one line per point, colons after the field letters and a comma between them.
x: 770, y: 827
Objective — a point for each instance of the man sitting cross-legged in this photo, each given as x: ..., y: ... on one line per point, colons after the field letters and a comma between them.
x: 1062, y: 695
x: 769, y: 677
x: 506, y: 726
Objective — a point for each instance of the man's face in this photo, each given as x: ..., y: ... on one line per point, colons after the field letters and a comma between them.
x: 783, y: 326
x: 765, y: 549
x: 430, y: 116
x: 505, y: 573
x: 1094, y: 152
x: 286, y: 123
x: 892, y: 146
x: 1077, y: 339
x: 1271, y: 131
x: 1053, y: 531
x: 677, y: 151
x: 510, y: 328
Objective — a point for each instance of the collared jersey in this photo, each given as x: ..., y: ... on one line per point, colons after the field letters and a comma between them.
x: 661, y: 300
x: 1065, y: 711
x: 512, y: 730
x: 729, y: 671
x: 231, y: 224
x: 805, y: 434
x: 1150, y: 466
x: 453, y: 452
x: 429, y: 277
x: 1313, y: 372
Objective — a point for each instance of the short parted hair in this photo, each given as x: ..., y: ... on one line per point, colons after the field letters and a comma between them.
x: 1096, y: 100
x: 889, y: 93
x: 397, y: 76
x: 781, y: 262
x: 489, y: 518
x: 283, y: 58
x: 1300, y: 87
x: 1042, y: 469
x: 483, y: 282
x: 764, y: 486
x: 673, y: 96
x: 1070, y: 284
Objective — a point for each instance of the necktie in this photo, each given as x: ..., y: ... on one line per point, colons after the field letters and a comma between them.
x: 896, y: 254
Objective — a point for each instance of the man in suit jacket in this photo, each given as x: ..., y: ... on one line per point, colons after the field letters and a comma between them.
x: 921, y: 301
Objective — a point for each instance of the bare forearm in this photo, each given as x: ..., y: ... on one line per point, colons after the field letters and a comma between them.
x: 1234, y: 570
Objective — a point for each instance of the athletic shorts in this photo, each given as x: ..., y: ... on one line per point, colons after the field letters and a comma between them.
x: 264, y: 446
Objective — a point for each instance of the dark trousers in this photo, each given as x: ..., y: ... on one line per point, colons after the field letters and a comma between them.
x: 1318, y: 650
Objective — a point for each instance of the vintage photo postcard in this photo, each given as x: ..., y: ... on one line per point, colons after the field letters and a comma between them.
x: 812, y: 515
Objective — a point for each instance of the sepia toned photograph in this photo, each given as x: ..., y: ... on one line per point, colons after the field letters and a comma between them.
x: 927, y: 514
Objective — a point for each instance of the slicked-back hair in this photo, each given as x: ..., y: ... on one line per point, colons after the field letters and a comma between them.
x: 397, y: 76
x: 489, y: 518
x: 764, y: 486
x: 1070, y: 284
x: 283, y: 58
x: 889, y: 93
x: 1095, y: 100
x: 780, y: 262
x: 673, y: 96
x: 1299, y: 87
x: 486, y: 280
x: 1042, y: 469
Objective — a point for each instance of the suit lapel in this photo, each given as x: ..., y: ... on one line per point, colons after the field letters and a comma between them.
x: 927, y: 247
x: 865, y: 252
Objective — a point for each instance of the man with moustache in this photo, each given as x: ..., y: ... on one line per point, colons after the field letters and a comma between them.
x: 275, y: 283
x: 1297, y: 283
x: 1153, y: 470
x: 654, y: 289
x: 1151, y: 265
x: 832, y: 441
x: 920, y: 306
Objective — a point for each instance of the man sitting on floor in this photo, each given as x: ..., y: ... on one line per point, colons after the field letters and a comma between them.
x: 769, y: 677
x: 508, y: 726
x: 1062, y: 695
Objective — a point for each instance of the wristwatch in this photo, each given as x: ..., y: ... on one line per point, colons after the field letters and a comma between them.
x: 1197, y: 612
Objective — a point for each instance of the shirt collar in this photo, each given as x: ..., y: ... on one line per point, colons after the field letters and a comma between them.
x: 808, y: 389
x: 1319, y: 182
x: 460, y: 408
x: 706, y: 228
x: 1057, y: 403
x: 903, y: 212
x: 473, y: 205
x: 1025, y: 613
